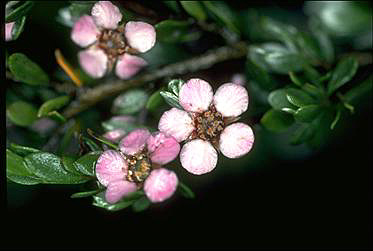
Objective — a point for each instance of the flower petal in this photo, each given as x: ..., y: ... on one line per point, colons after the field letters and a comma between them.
x: 8, y: 31
x: 140, y: 36
x: 160, y: 184
x: 134, y: 142
x: 106, y: 14
x: 162, y: 148
x: 114, y: 135
x: 231, y: 100
x: 236, y: 140
x: 119, y: 189
x: 198, y: 157
x: 176, y: 123
x: 196, y: 95
x: 94, y: 62
x: 129, y: 65
x: 110, y: 166
x: 84, y: 31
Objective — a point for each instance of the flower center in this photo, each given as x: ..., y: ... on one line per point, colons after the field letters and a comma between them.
x: 209, y: 124
x: 112, y: 42
x: 139, y: 168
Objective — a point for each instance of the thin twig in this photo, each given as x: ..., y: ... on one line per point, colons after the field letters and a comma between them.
x: 109, y: 89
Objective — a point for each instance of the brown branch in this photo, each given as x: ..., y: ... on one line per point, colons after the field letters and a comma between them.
x: 109, y: 89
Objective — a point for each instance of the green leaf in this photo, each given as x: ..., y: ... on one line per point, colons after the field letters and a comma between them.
x: 309, y: 47
x: 278, y: 100
x: 175, y: 86
x: 276, y: 121
x: 222, y: 13
x: 173, y: 31
x: 314, y: 91
x: 295, y: 79
x: 321, y: 127
x: 22, y: 150
x: 154, y: 101
x: 127, y: 124
x: 311, y: 74
x: 302, y: 134
x: 102, y: 139
x: 49, y: 167
x: 87, y: 163
x: 353, y: 95
x: 22, y: 113
x: 323, y: 39
x: 298, y: 97
x: 171, y: 99
x: 141, y: 204
x: 336, y: 118
x: 307, y: 113
x: 186, y: 191
x: 18, y: 27
x: 195, y: 9
x: 53, y: 104
x: 172, y: 5
x: 23, y: 180
x: 68, y: 165
x: 15, y: 164
x: 99, y: 201
x: 26, y: 71
x: 16, y: 13
x: 130, y: 102
x: 259, y: 75
x: 91, y: 144
x: 85, y: 194
x: 344, y: 71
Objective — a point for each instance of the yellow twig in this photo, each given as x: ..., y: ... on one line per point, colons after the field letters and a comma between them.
x: 67, y: 68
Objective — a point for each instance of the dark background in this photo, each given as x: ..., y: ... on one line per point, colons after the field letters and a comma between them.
x: 275, y: 197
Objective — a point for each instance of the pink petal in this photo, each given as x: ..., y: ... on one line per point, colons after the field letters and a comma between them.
x: 114, y: 135
x: 196, y: 95
x: 162, y: 148
x: 160, y: 185
x: 94, y: 62
x: 8, y: 31
x: 119, y: 189
x: 198, y: 157
x: 236, y: 140
x: 110, y: 166
x: 176, y: 123
x: 140, y: 36
x: 84, y: 31
x: 106, y: 14
x: 231, y: 100
x: 129, y: 65
x: 134, y: 142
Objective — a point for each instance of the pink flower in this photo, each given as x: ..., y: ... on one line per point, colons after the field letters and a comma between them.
x: 8, y: 31
x: 207, y: 124
x: 108, y: 43
x: 138, y: 165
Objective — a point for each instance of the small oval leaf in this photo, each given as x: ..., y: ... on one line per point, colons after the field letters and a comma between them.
x: 276, y: 121
x: 307, y: 113
x: 195, y: 9
x: 53, y: 104
x: 130, y: 102
x: 22, y: 113
x: 344, y: 71
x: 298, y: 97
x: 86, y: 164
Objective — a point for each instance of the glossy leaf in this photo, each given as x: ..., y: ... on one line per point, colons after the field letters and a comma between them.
x: 154, y: 101
x: 298, y: 97
x: 53, y: 104
x: 295, y: 79
x: 22, y: 150
x: 276, y: 121
x: 278, y: 100
x: 173, y: 31
x: 87, y: 163
x: 353, y: 95
x: 18, y: 27
x: 175, y: 86
x: 13, y: 14
x: 126, y: 125
x: 344, y: 71
x: 195, y: 9
x: 26, y: 71
x: 186, y: 191
x: 22, y: 113
x: 130, y: 102
x: 307, y: 113
x: 49, y: 167
x: 302, y: 134
x: 141, y: 204
x: 15, y: 164
x: 259, y: 75
x: 99, y: 201
x: 68, y: 165
x: 85, y: 194
x: 171, y: 99
x: 222, y: 12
